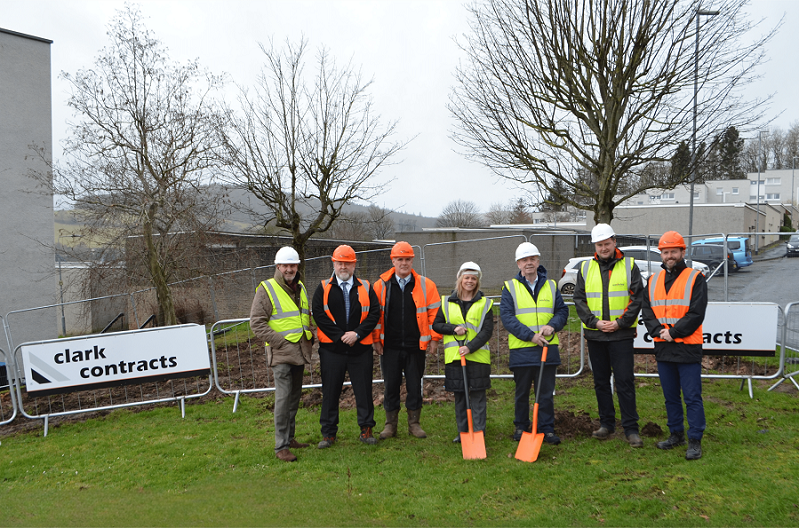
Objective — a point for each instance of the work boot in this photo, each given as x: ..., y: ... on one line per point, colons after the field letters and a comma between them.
x: 602, y: 433
x: 413, y: 424
x: 694, y: 449
x: 326, y: 442
x: 517, y: 434
x: 676, y: 439
x: 391, y: 425
x: 457, y: 439
x: 285, y: 455
x: 634, y: 439
x: 551, y: 438
x: 366, y: 436
x: 294, y: 444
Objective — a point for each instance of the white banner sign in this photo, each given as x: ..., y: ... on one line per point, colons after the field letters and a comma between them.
x: 79, y: 363
x: 738, y: 329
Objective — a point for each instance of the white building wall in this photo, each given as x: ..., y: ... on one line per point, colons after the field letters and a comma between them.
x: 26, y: 213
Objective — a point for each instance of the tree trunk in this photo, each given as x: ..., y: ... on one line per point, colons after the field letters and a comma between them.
x: 166, y: 306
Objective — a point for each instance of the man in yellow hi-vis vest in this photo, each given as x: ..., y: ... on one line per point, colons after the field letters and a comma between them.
x: 608, y: 297
x: 280, y: 318
x: 532, y: 311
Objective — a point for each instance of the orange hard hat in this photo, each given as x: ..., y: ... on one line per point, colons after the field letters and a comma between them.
x: 671, y: 239
x: 401, y: 249
x: 344, y: 253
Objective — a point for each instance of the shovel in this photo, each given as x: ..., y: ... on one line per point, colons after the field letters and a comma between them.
x: 473, y: 443
x: 530, y: 443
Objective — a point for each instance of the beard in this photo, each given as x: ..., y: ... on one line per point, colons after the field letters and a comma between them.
x: 343, y: 275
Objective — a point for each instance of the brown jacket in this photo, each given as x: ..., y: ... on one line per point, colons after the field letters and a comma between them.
x: 279, y: 351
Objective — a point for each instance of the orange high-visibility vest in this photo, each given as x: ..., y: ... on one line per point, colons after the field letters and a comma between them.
x: 363, y: 298
x: 426, y: 299
x: 672, y: 306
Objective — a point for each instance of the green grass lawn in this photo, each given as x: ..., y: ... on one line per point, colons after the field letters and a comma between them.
x: 217, y: 468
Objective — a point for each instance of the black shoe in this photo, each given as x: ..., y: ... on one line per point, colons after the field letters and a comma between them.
x: 551, y: 438
x: 634, y: 439
x: 602, y: 433
x: 676, y: 439
x: 694, y: 450
x: 456, y: 440
x: 517, y: 434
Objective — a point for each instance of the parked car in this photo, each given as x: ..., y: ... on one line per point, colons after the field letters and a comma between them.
x: 739, y: 246
x: 792, y: 249
x: 713, y: 256
x: 651, y: 262
x: 568, y: 279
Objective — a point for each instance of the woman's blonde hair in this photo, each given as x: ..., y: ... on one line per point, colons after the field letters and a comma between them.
x: 459, y: 285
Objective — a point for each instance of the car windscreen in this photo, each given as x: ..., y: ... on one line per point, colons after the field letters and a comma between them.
x: 794, y: 239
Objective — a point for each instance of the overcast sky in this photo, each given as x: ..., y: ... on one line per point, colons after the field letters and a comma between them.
x: 406, y: 45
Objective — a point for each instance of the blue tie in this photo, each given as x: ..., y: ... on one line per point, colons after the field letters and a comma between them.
x: 344, y: 287
x: 402, y: 283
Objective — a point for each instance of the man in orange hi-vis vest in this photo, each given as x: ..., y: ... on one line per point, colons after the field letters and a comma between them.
x: 675, y: 301
x: 409, y: 303
x: 346, y: 311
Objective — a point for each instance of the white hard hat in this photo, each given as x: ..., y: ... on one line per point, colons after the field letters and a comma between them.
x: 287, y: 255
x: 601, y: 232
x: 470, y: 266
x: 526, y: 249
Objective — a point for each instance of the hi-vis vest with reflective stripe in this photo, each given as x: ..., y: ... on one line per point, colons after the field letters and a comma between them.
x: 672, y: 306
x: 287, y: 319
x: 618, y: 287
x: 473, y: 323
x: 426, y: 307
x: 531, y: 314
x: 363, y: 298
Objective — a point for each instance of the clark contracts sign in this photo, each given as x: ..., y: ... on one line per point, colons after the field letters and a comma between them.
x: 103, y: 360
x: 730, y: 329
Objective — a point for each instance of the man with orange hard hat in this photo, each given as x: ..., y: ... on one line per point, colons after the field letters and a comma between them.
x: 409, y: 303
x: 346, y: 311
x: 675, y: 301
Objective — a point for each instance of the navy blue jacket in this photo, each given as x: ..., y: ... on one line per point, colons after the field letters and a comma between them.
x: 531, y: 356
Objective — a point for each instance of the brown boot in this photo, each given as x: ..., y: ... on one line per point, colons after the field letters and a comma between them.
x: 391, y: 425
x: 413, y: 424
x: 285, y: 455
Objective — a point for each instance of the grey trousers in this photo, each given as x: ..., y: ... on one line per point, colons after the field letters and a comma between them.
x: 478, y: 400
x: 288, y: 390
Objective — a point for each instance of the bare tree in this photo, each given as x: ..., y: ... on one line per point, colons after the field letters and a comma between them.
x: 380, y: 222
x: 498, y: 214
x: 460, y: 213
x: 555, y: 88
x: 373, y: 224
x: 306, y: 147
x: 140, y: 152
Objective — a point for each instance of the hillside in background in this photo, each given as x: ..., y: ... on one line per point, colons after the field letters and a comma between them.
x: 238, y: 221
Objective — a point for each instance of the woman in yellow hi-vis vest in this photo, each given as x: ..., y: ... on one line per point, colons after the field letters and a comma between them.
x: 467, y: 316
x: 532, y: 311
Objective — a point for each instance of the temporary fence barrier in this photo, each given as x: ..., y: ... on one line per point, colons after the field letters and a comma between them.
x: 8, y: 397
x: 790, y: 347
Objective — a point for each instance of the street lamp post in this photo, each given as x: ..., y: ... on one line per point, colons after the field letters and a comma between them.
x: 699, y: 12
x: 793, y: 174
x: 757, y: 214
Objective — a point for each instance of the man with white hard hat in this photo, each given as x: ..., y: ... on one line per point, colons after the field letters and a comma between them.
x: 280, y: 318
x: 532, y: 311
x: 608, y: 297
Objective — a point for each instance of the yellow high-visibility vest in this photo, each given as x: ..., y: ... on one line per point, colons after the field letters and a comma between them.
x: 288, y: 319
x: 473, y: 322
x: 534, y: 315
x: 618, y: 287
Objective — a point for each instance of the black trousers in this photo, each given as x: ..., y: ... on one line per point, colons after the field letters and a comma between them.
x: 615, y: 357
x: 334, y: 366
x: 395, y: 363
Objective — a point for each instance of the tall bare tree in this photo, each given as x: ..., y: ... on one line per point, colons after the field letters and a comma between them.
x: 460, y: 213
x: 307, y: 145
x: 553, y: 89
x: 142, y: 147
